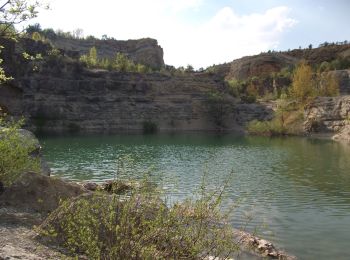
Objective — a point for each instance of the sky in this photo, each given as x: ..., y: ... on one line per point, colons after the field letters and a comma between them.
x: 206, y: 32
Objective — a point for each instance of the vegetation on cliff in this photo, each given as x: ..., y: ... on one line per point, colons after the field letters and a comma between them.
x: 120, y: 63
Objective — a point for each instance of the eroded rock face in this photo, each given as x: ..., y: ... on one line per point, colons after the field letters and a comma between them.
x: 145, y: 51
x: 64, y: 97
x: 343, y: 135
x: 259, y: 65
x: 329, y: 115
x: 109, y: 102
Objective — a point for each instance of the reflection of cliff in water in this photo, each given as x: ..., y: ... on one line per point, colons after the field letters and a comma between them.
x: 322, y: 167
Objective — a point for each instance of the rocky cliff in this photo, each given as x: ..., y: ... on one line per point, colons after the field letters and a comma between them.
x: 264, y: 64
x: 329, y: 115
x: 145, y: 51
x: 56, y: 94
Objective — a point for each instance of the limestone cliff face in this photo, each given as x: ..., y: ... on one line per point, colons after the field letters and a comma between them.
x: 328, y: 115
x: 58, y: 95
x: 111, y: 102
x: 259, y: 65
x: 102, y: 101
x: 145, y: 51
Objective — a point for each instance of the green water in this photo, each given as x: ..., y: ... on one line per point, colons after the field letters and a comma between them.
x: 297, y: 190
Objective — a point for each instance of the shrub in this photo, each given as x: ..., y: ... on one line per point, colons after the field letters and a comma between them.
x: 248, y: 99
x: 328, y: 84
x: 141, y: 226
x: 218, y: 107
x: 266, y: 128
x: 288, y: 120
x: 15, y: 150
x: 237, y: 87
x: 36, y: 36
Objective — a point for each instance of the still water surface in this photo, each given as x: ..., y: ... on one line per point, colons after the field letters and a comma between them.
x: 296, y: 190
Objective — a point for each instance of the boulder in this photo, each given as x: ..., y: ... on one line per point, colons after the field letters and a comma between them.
x: 343, y: 135
x: 38, y: 193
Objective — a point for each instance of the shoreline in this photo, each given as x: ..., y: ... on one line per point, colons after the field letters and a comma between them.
x: 20, y: 211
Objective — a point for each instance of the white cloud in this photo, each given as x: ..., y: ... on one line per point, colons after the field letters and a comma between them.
x: 223, y: 37
x: 228, y: 35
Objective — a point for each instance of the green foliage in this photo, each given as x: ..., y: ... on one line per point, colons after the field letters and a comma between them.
x: 141, y: 226
x: 288, y: 120
x: 189, y: 68
x: 266, y: 128
x: 246, y: 90
x: 14, y: 12
x: 340, y: 63
x: 33, y: 28
x: 91, y: 58
x: 303, y: 85
x: 36, y: 36
x: 123, y: 64
x: 328, y: 84
x: 120, y: 63
x: 15, y: 152
x: 237, y: 87
x: 3, y: 76
x: 337, y: 64
x: 324, y: 67
x: 218, y: 107
x: 149, y: 127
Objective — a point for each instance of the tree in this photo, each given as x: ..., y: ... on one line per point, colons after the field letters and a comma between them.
x: 303, y: 84
x: 78, y: 33
x: 36, y: 36
x: 33, y: 28
x: 14, y: 12
x: 189, y: 68
x: 91, y: 58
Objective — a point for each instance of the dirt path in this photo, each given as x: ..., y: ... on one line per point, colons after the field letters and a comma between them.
x: 17, y: 237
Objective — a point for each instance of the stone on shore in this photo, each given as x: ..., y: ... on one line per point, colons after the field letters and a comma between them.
x: 38, y: 193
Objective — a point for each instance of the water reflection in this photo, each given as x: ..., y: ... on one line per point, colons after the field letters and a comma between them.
x: 299, y: 187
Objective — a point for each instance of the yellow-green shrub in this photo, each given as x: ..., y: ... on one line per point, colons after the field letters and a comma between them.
x: 15, y: 152
x: 141, y: 226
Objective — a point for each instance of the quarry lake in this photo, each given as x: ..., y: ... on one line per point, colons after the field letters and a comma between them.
x: 292, y: 191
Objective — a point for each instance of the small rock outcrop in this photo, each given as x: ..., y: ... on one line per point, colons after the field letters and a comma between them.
x: 343, y: 135
x: 328, y: 115
x: 261, y: 247
x: 38, y: 193
x: 259, y: 65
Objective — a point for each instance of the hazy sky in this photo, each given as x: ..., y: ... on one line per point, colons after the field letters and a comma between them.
x: 206, y: 32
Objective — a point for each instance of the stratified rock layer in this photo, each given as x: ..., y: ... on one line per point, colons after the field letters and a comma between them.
x: 329, y: 115
x: 145, y: 51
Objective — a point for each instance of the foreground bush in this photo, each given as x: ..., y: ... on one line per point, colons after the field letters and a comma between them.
x: 140, y: 226
x: 15, y: 153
